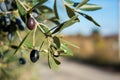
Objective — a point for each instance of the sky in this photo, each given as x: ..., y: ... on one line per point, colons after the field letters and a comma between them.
x: 107, y: 17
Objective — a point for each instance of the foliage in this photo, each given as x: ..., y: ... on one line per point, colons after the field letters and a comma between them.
x: 14, y: 15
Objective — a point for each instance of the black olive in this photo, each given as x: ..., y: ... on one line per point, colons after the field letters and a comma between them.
x: 1, y: 55
x: 20, y: 23
x: 22, y: 60
x: 31, y: 23
x: 34, y: 55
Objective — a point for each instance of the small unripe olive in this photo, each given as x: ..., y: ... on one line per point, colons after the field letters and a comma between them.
x: 30, y: 23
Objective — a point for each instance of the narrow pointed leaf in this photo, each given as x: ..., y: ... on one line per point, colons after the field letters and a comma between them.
x: 54, y: 20
x: 57, y: 62
x: 37, y: 3
x: 55, y: 9
x: 52, y: 62
x: 81, y: 3
x: 90, y: 7
x: 66, y: 50
x: 21, y: 43
x: 45, y: 29
x: 70, y: 11
x: 66, y: 24
x: 69, y: 2
x: 56, y: 40
x: 89, y: 18
x: 71, y: 44
x: 20, y: 8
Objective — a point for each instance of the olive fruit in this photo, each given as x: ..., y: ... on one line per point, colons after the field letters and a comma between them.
x: 20, y: 23
x: 22, y: 60
x: 34, y: 55
x: 1, y: 55
x: 31, y: 23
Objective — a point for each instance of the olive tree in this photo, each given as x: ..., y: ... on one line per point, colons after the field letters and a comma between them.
x: 22, y: 21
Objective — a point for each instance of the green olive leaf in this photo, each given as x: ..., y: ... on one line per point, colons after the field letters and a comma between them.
x: 70, y: 11
x: 67, y: 51
x: 52, y: 62
x: 21, y: 43
x: 55, y: 9
x: 56, y: 40
x: 90, y: 7
x: 21, y: 9
x: 89, y: 18
x: 81, y: 3
x: 66, y: 24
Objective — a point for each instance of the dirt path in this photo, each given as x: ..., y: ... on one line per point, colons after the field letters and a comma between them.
x: 73, y: 71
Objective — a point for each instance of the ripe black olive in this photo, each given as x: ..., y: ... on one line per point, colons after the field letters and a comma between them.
x: 34, y: 55
x: 31, y: 23
x: 20, y: 23
x: 22, y: 60
x: 1, y: 55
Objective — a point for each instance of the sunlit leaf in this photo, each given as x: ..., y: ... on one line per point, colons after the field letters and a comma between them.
x: 90, y: 7
x: 28, y: 44
x: 66, y: 24
x: 66, y: 50
x: 69, y: 2
x: 71, y: 44
x: 81, y: 3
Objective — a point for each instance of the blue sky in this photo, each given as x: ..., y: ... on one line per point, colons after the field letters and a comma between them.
x: 107, y: 17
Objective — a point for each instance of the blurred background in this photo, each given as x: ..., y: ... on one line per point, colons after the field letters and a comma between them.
x: 98, y: 57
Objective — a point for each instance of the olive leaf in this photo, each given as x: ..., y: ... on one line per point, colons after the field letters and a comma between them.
x: 37, y: 3
x: 66, y: 24
x: 55, y: 9
x: 67, y: 51
x: 21, y: 43
x: 45, y: 9
x: 69, y: 43
x: 81, y: 3
x: 90, y: 7
x: 20, y: 8
x: 53, y: 63
x: 56, y: 40
x: 54, y: 20
x: 70, y: 11
x: 45, y: 29
x: 89, y: 18
x: 69, y: 2
x: 28, y: 44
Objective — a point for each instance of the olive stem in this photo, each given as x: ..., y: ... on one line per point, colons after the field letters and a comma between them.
x: 34, y: 36
x: 19, y: 35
